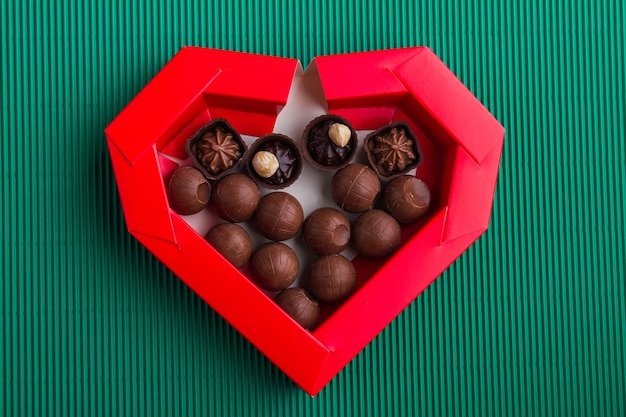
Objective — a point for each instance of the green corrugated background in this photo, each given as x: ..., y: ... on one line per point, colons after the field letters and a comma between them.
x: 531, y: 320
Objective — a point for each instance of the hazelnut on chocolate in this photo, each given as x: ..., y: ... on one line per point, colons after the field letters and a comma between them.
x: 329, y: 142
x: 188, y: 190
x: 275, y: 161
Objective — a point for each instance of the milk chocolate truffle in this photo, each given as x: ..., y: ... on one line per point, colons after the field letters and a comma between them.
x: 279, y: 216
x: 329, y: 142
x: 392, y: 150
x: 274, y: 161
x: 406, y: 198
x: 354, y: 188
x: 235, y: 197
x: 216, y: 148
x: 232, y: 241
x: 274, y: 266
x: 331, y: 277
x: 188, y: 190
x: 299, y: 304
x: 326, y: 231
x: 375, y: 234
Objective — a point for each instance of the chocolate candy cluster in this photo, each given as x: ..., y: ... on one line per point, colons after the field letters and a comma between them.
x: 380, y: 193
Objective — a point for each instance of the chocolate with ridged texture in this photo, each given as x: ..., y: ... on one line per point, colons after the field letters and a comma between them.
x: 331, y: 278
x: 320, y: 144
x: 375, y: 234
x: 286, y: 154
x: 188, y: 190
x: 355, y: 188
x: 216, y: 148
x: 233, y: 242
x: 299, y: 304
x: 274, y: 266
x: 279, y: 216
x: 235, y: 197
x: 407, y: 198
x: 326, y: 231
x: 392, y: 150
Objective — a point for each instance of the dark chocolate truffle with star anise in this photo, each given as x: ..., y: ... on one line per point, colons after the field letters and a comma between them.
x: 216, y: 148
x: 392, y: 150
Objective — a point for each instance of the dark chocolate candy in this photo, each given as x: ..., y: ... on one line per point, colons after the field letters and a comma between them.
x: 322, y: 140
x: 375, y: 234
x: 326, y: 231
x: 216, y: 148
x: 331, y: 277
x: 279, y: 216
x: 407, y: 198
x: 354, y: 188
x: 188, y: 190
x: 235, y: 197
x: 299, y: 304
x: 274, y: 266
x: 392, y: 150
x: 232, y: 241
x: 287, y: 155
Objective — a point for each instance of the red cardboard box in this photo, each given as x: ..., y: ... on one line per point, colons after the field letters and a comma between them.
x: 461, y: 144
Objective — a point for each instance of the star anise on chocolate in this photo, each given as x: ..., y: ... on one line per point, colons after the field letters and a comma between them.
x: 217, y: 151
x: 394, y: 150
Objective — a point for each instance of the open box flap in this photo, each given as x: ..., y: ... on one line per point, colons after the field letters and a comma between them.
x: 251, y: 89
x: 145, y: 205
x: 165, y: 105
x: 453, y: 106
x: 471, y: 192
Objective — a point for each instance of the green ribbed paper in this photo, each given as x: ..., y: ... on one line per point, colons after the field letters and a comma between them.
x: 531, y: 320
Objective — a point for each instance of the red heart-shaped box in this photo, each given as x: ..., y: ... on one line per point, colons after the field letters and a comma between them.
x: 461, y: 143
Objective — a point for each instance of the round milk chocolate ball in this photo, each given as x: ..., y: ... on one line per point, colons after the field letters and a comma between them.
x: 235, y: 197
x: 232, y: 242
x: 331, y: 277
x: 274, y: 266
x: 406, y: 198
x: 279, y: 216
x: 375, y: 234
x: 326, y: 231
x: 354, y: 188
x: 188, y: 190
x: 299, y: 304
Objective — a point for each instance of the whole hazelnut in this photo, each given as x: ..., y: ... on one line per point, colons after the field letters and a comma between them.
x: 265, y: 164
x: 340, y: 134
